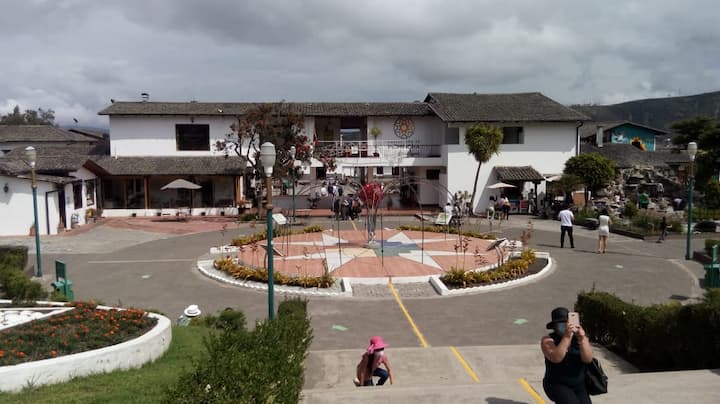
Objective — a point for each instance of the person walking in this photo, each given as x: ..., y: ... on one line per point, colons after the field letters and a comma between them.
x: 506, y: 207
x: 370, y: 363
x: 663, y: 230
x: 566, y: 226
x: 644, y: 200
x: 567, y: 350
x: 604, y: 223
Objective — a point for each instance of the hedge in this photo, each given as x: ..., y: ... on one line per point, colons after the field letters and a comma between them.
x: 13, y: 282
x: 256, y: 237
x: 709, y: 243
x: 511, y: 269
x: 448, y: 229
x: 659, y: 337
x: 262, y: 366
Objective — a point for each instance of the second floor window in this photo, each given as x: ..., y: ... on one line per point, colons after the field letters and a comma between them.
x: 192, y: 137
x: 513, y: 135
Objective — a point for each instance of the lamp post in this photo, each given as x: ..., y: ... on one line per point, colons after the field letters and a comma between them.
x: 267, y: 158
x: 292, y: 171
x: 31, y: 156
x: 691, y: 151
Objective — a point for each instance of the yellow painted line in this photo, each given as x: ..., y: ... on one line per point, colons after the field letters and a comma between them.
x: 352, y: 222
x: 465, y: 364
x: 531, y: 390
x: 423, y: 342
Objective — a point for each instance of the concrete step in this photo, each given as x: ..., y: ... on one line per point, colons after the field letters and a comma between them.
x: 436, y: 375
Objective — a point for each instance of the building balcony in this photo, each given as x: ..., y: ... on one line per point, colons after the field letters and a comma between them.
x: 385, y: 150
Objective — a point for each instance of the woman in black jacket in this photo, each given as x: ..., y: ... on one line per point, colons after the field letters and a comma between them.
x: 567, y: 350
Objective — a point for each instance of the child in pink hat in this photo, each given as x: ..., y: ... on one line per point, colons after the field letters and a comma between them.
x: 369, y: 365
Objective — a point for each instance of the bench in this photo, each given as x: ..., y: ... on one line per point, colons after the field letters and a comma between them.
x: 302, y: 213
x: 62, y: 283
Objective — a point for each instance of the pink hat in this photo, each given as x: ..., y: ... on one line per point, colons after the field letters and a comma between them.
x: 376, y: 342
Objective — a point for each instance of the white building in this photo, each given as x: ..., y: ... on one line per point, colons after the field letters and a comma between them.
x: 418, y: 147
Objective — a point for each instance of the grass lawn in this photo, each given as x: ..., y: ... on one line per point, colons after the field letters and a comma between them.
x: 144, y: 385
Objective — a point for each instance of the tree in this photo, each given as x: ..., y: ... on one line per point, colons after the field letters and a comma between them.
x: 705, y: 131
x: 29, y: 117
x: 594, y: 169
x: 482, y: 141
x: 275, y: 123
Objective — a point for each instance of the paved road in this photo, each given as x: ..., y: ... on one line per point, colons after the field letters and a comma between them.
x: 156, y: 271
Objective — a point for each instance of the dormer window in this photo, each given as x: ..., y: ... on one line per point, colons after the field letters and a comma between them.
x: 191, y: 137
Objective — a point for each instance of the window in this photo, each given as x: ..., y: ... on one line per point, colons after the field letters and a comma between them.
x: 452, y: 136
x: 396, y: 171
x: 379, y: 170
x: 513, y: 135
x: 320, y: 173
x: 77, y: 195
x: 192, y: 137
x: 432, y: 174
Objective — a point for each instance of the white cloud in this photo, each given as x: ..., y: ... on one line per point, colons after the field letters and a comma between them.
x: 74, y: 55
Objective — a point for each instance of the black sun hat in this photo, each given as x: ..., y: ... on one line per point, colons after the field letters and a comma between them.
x: 558, y: 315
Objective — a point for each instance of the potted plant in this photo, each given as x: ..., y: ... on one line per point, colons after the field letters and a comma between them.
x: 375, y: 132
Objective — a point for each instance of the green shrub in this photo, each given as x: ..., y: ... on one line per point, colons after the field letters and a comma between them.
x: 13, y: 282
x: 13, y: 257
x: 712, y: 194
x: 239, y: 271
x: 709, y: 243
x: 706, y: 214
x: 313, y: 229
x: 630, y: 209
x: 228, y: 319
x: 262, y: 366
x: 248, y: 217
x: 660, y: 337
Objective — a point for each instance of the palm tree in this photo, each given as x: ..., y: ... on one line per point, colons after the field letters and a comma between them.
x: 482, y: 141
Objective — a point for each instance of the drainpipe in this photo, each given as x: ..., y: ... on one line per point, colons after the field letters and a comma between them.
x: 599, y: 136
x: 577, y: 137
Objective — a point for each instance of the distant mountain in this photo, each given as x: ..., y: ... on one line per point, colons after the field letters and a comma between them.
x: 656, y: 112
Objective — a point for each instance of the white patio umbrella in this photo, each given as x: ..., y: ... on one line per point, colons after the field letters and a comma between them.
x: 181, y: 184
x: 500, y: 185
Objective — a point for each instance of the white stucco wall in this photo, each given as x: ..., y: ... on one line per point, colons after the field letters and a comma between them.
x: 155, y: 136
x: 16, y: 207
x: 546, y: 147
x: 428, y: 129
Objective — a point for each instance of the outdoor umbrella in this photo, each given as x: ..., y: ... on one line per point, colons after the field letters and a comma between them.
x: 181, y: 184
x: 501, y: 185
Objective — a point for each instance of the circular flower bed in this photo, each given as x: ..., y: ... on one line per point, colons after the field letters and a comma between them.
x: 84, y: 328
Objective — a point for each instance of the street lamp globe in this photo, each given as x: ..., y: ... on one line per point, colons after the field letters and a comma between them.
x: 293, y: 150
x: 267, y: 157
x: 31, y: 156
x: 692, y: 150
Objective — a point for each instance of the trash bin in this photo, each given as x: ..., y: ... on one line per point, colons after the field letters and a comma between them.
x: 712, y: 278
x: 62, y: 283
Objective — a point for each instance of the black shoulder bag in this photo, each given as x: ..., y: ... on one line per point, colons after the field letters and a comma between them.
x: 596, y: 381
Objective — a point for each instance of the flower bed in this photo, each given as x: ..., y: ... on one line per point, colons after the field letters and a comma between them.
x: 512, y: 269
x: 82, y: 329
x: 255, y: 237
x: 449, y: 230
x: 238, y: 271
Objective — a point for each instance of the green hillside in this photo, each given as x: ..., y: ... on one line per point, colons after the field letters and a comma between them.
x: 656, y: 112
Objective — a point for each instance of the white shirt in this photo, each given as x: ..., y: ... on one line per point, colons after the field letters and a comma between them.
x: 448, y: 210
x: 566, y: 217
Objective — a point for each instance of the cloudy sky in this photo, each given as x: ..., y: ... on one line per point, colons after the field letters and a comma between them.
x: 75, y: 55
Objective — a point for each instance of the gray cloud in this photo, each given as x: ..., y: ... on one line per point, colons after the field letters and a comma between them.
x: 74, y: 55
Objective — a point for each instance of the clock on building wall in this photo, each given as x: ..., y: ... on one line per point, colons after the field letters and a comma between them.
x: 404, y: 127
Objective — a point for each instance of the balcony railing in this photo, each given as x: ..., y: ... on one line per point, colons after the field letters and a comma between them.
x: 385, y: 149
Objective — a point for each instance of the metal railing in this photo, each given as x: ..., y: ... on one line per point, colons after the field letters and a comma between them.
x: 384, y: 149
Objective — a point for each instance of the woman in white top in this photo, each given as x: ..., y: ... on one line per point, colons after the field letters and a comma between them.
x: 603, y: 231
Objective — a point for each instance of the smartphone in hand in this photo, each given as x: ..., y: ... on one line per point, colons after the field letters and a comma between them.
x: 574, y: 318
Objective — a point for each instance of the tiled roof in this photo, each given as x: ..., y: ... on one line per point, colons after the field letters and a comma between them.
x: 200, y: 165
x: 627, y: 155
x: 590, y: 128
x: 522, y: 173
x: 40, y: 133
x: 521, y: 107
x: 300, y: 108
x: 54, y: 159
